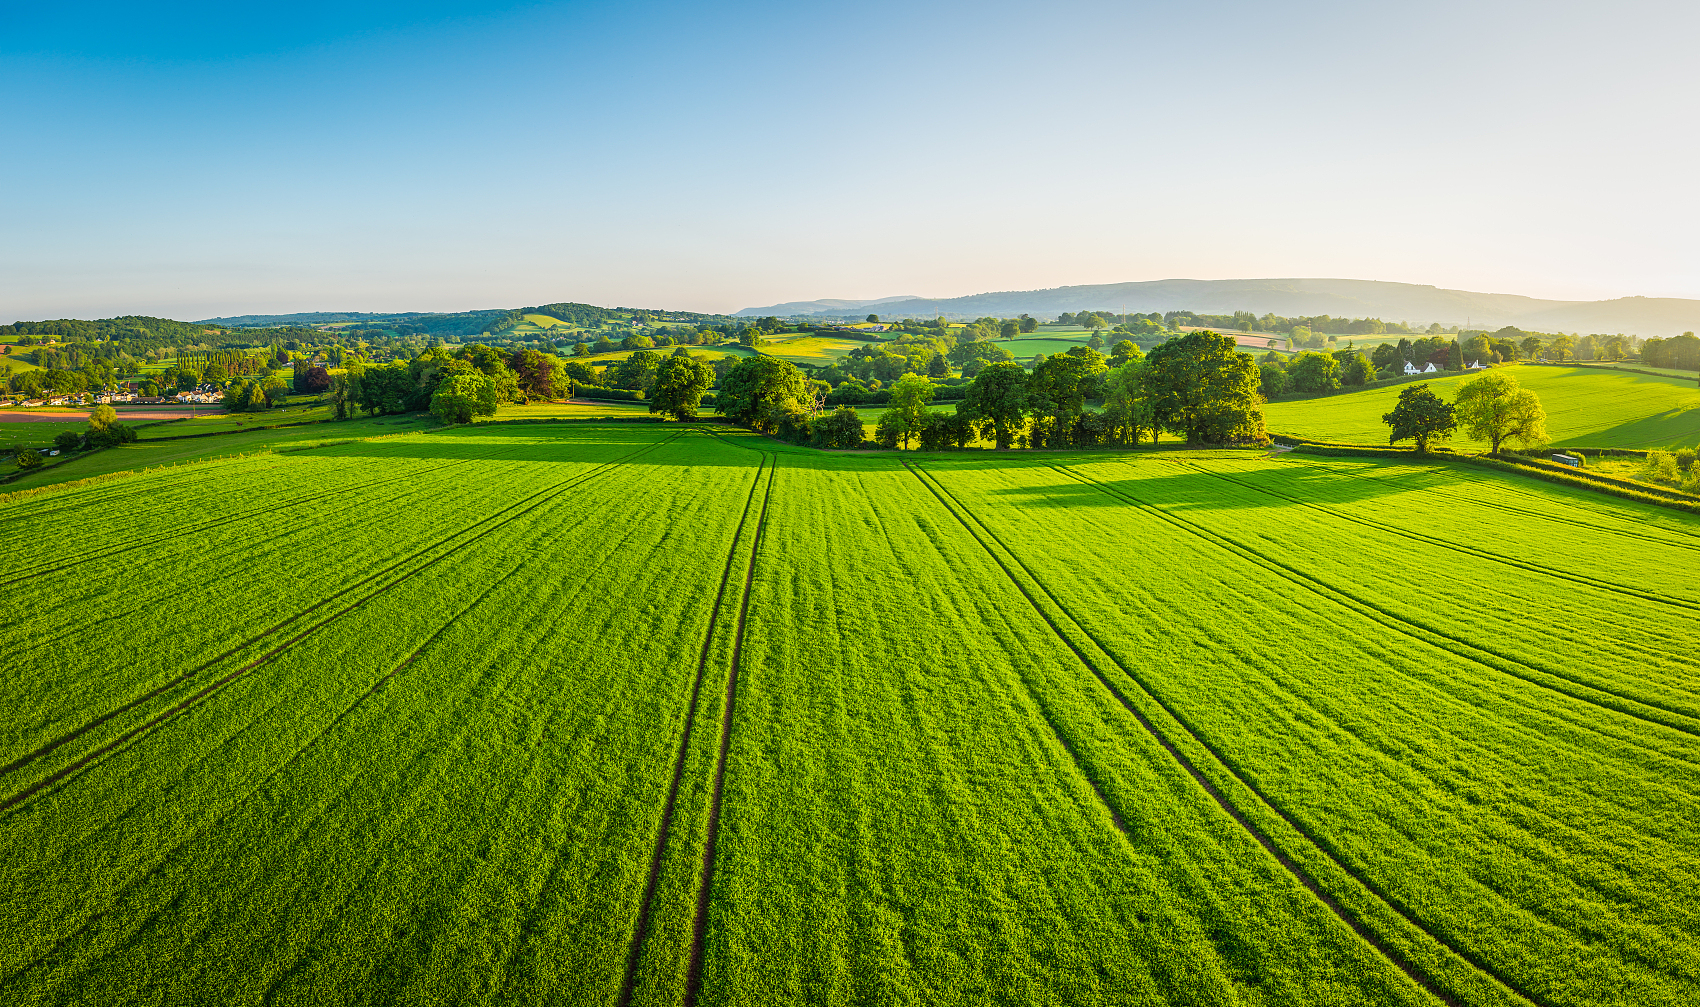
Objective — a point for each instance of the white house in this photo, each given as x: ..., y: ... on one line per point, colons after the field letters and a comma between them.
x: 1411, y: 368
x: 1476, y: 365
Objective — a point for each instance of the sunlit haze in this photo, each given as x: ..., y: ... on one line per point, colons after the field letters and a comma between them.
x: 198, y: 160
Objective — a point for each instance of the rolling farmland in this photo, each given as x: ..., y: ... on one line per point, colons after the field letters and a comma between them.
x: 651, y: 714
x: 1585, y: 406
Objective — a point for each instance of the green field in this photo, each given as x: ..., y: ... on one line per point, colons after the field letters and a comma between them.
x: 151, y: 452
x: 651, y: 714
x: 814, y: 350
x: 16, y: 434
x: 1585, y: 407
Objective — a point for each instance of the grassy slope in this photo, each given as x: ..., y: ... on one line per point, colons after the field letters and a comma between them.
x: 152, y: 453
x: 1588, y: 407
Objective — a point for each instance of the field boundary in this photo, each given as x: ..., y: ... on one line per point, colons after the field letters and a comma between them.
x: 699, y: 926
x: 1411, y: 969
x: 641, y: 930
x: 147, y: 727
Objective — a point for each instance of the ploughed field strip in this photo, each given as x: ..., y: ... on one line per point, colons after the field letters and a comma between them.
x: 658, y: 715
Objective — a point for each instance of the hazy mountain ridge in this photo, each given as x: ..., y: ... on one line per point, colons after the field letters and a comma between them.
x: 1391, y: 301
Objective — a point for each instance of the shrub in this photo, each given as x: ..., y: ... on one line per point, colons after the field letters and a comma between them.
x: 842, y: 428
x: 28, y: 459
x: 888, y: 431
x: 1660, y: 467
x: 1685, y: 459
x: 111, y: 435
x: 68, y: 440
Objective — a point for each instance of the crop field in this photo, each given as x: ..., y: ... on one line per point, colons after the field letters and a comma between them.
x: 1585, y: 406
x: 656, y: 714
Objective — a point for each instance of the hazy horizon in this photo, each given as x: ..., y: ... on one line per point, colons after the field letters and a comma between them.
x: 192, y: 162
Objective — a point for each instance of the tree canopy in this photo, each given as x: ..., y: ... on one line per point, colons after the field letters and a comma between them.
x: 1421, y: 415
x: 759, y: 390
x: 1201, y: 387
x: 1495, y: 408
x: 998, y: 397
x: 680, y: 382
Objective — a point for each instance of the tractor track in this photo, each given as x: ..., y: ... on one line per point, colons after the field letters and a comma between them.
x: 1411, y: 969
x: 641, y: 930
x: 699, y: 927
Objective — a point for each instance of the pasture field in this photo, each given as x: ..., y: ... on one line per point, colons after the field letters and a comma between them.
x: 813, y: 350
x: 213, y: 419
x: 17, y: 431
x: 657, y: 714
x: 1585, y: 406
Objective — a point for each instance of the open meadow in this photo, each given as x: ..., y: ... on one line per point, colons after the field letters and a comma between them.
x: 659, y: 714
x: 1585, y: 407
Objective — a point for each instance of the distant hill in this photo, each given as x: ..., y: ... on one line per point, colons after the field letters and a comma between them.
x: 1396, y: 302
x: 825, y: 306
x: 312, y: 318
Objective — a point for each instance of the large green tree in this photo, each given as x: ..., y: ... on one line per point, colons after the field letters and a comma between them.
x: 460, y: 397
x: 1420, y: 415
x: 1495, y: 408
x: 1201, y: 387
x: 679, y: 385
x: 998, y: 398
x: 1313, y: 372
x: 1127, y: 407
x: 759, y: 390
x: 1057, y: 394
x: 907, y: 410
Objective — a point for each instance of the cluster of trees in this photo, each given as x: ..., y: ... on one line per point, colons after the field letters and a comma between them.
x: 1492, y: 408
x: 1679, y: 351
x: 256, y: 395
x: 1198, y: 386
x: 1311, y: 325
x: 1311, y: 373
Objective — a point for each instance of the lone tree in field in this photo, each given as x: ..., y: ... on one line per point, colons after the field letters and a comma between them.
x: 1421, y: 415
x: 679, y: 384
x: 1494, y: 408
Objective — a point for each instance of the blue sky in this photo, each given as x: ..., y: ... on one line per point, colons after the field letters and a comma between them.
x: 194, y: 160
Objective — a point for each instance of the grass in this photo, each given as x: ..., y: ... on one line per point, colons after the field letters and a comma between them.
x: 1585, y: 406
x: 545, y: 713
